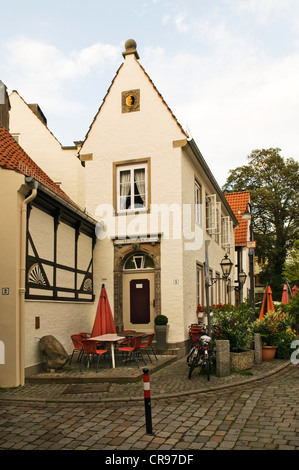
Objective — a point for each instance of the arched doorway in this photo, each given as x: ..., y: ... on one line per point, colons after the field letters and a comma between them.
x: 136, y: 261
x: 139, y: 292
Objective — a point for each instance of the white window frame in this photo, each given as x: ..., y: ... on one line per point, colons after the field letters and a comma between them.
x: 211, y: 214
x: 197, y: 202
x: 225, y: 232
x: 132, y: 168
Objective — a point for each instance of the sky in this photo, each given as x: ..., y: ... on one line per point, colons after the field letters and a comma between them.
x: 228, y: 69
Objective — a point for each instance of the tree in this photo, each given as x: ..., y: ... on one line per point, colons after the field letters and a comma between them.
x: 291, y: 267
x: 274, y: 187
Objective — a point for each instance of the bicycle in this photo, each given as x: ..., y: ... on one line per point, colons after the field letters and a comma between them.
x: 201, y: 353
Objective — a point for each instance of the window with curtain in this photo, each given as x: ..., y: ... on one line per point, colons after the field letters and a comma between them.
x: 197, y: 202
x: 132, y: 188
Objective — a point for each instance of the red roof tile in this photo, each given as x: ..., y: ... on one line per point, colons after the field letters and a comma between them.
x: 237, y: 202
x: 13, y: 157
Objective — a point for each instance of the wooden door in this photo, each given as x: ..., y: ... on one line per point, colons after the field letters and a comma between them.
x: 140, y: 301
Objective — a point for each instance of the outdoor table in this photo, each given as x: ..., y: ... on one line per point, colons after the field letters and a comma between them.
x: 132, y: 334
x: 108, y: 338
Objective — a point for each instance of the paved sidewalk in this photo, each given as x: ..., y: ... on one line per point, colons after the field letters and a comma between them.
x: 168, y: 378
x: 188, y: 416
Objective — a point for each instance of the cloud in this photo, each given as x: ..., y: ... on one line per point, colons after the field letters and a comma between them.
x: 267, y: 11
x: 43, y: 72
x: 234, y: 96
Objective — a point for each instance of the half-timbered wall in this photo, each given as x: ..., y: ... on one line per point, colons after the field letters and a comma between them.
x: 59, y: 257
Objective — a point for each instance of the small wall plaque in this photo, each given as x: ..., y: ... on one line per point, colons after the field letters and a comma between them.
x: 130, y: 101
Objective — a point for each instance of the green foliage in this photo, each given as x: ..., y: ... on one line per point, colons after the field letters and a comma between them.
x: 291, y: 266
x: 275, y: 331
x: 292, y: 309
x: 235, y: 325
x: 161, y: 320
x: 273, y: 183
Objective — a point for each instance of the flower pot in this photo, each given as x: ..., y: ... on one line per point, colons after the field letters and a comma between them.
x: 242, y: 360
x: 268, y: 353
x: 161, y: 336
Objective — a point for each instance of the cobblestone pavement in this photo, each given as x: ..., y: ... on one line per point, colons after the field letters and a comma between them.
x: 194, y: 415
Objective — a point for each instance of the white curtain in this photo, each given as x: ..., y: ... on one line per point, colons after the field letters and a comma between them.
x: 139, y: 176
x: 125, y: 188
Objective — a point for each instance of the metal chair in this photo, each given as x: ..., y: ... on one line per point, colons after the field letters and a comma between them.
x: 90, y: 350
x: 148, y: 345
x: 128, y: 340
x: 133, y: 350
x: 77, y: 342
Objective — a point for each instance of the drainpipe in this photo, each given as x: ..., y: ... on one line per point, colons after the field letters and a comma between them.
x: 33, y: 185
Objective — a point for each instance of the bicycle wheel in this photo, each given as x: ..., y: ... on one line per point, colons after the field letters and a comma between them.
x: 193, y: 365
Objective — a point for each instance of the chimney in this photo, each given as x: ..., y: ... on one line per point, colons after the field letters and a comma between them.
x: 38, y: 112
x: 4, y: 106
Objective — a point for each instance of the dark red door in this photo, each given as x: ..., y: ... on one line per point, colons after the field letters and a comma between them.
x: 140, y: 301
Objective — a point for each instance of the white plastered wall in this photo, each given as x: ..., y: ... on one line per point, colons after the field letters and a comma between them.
x: 148, y: 133
x: 60, y: 164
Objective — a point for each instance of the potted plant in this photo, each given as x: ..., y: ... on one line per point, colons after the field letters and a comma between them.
x: 235, y: 325
x: 274, y: 331
x: 161, y: 327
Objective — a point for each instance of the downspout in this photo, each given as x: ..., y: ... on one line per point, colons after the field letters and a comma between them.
x: 32, y: 183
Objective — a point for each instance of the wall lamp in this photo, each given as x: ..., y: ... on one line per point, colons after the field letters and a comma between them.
x: 241, y: 280
x: 226, y: 267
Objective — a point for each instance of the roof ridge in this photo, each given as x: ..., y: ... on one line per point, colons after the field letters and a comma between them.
x: 45, y: 125
x: 155, y: 88
x: 163, y: 100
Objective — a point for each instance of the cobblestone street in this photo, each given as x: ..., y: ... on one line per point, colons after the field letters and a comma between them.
x: 258, y: 415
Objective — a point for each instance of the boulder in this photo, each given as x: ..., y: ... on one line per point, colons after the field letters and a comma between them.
x: 53, y: 351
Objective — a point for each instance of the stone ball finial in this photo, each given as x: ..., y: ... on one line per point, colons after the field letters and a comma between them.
x: 131, y: 48
x: 130, y: 44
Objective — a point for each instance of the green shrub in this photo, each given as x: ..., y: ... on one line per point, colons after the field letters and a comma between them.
x: 161, y: 320
x: 235, y: 325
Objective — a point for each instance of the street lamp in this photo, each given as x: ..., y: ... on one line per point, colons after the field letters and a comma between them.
x: 247, y: 215
x: 241, y: 280
x: 226, y: 266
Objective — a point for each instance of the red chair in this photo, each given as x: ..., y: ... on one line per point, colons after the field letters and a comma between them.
x: 148, y: 345
x: 77, y: 342
x: 128, y: 340
x: 90, y: 350
x: 133, y: 350
x: 84, y: 335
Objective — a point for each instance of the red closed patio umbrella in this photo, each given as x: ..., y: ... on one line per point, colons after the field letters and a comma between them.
x: 294, y: 290
x: 267, y: 305
x: 285, y: 295
x: 104, y: 322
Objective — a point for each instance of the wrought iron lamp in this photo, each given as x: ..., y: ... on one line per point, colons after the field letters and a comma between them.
x: 241, y: 280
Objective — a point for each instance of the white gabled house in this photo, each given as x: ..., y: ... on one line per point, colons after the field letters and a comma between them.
x: 154, y: 205
x: 158, y: 202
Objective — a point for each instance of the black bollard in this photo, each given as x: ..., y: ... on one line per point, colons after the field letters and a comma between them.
x: 147, y: 401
